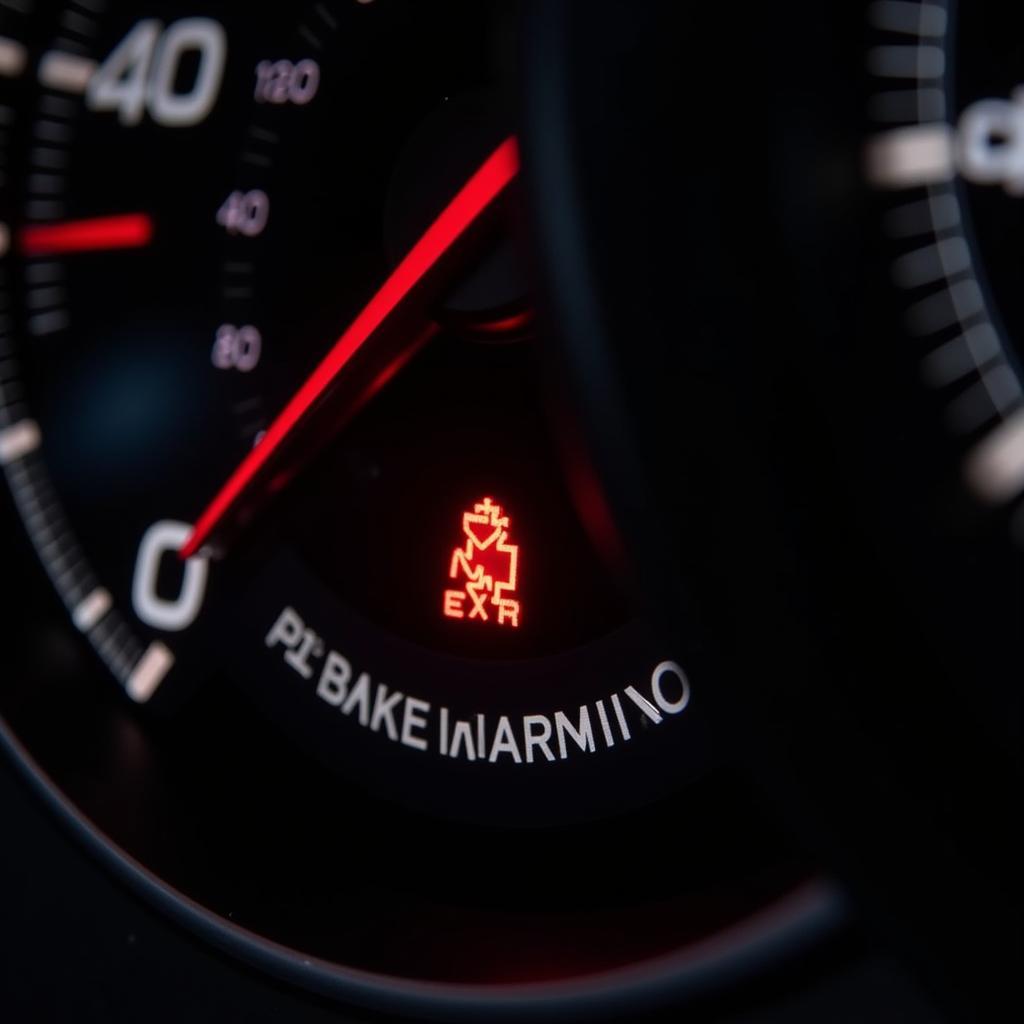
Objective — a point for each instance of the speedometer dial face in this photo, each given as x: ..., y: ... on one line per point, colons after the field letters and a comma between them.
x: 426, y: 568
x: 276, y: 416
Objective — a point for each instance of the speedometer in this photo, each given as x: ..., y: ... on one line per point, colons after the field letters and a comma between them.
x: 277, y: 416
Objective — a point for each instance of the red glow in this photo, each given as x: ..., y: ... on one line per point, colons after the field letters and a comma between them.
x: 122, y: 231
x: 487, y: 567
x: 485, y: 185
x: 508, y: 324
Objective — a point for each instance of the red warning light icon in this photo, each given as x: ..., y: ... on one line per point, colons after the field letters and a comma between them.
x: 485, y: 567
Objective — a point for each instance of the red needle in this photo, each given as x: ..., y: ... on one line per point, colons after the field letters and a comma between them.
x: 475, y: 196
x: 121, y: 231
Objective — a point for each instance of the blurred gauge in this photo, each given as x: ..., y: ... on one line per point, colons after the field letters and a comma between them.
x: 948, y: 150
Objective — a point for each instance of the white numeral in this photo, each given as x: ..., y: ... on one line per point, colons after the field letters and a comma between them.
x: 236, y: 348
x: 141, y: 73
x: 281, y: 81
x: 245, y: 213
x: 162, y: 540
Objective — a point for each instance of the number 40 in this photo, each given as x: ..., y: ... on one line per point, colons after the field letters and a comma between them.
x: 142, y: 70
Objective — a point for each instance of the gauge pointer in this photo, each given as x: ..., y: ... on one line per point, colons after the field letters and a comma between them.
x: 120, y: 231
x: 375, y: 346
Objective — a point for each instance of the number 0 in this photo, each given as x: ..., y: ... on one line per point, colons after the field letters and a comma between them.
x: 165, y: 539
x: 207, y: 38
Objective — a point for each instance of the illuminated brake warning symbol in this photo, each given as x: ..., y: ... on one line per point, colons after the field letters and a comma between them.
x: 485, y: 568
